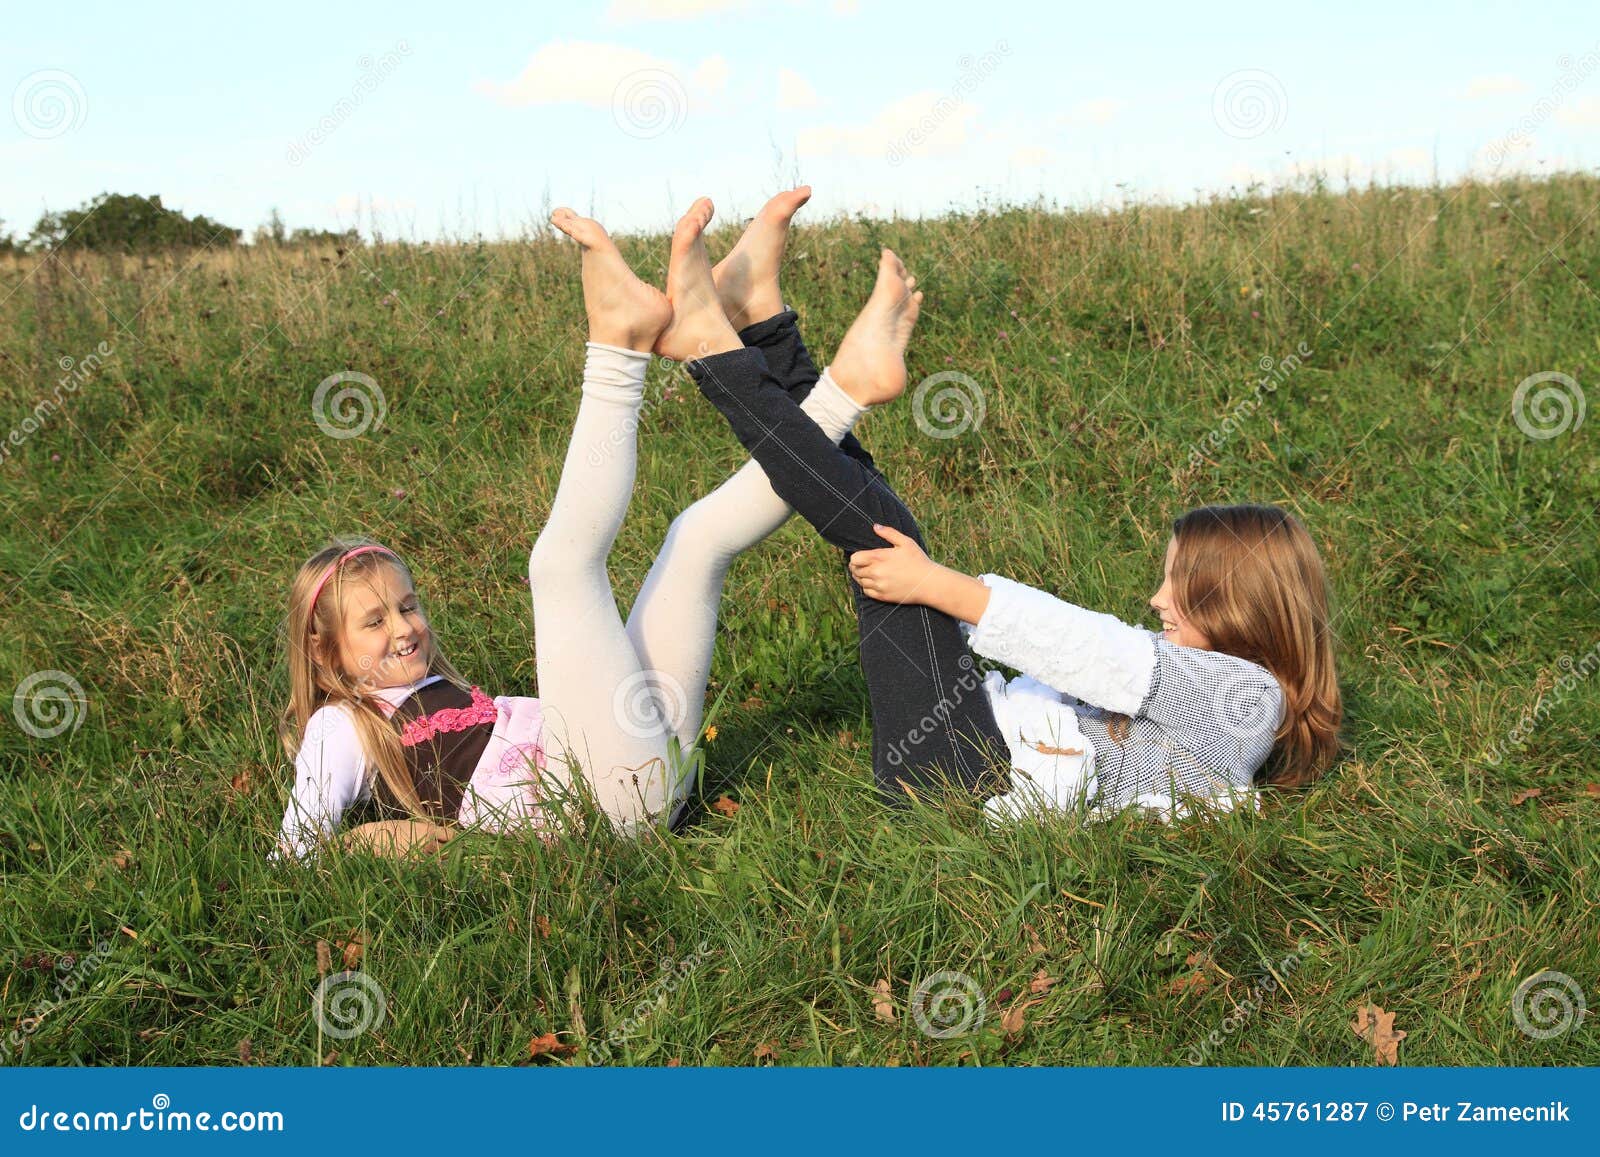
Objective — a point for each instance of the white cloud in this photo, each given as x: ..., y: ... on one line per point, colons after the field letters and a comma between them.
x: 925, y: 123
x: 638, y: 11
x: 1099, y: 111
x: 587, y: 72
x: 1030, y: 157
x: 846, y: 7
x: 1500, y: 84
x: 795, y: 91
x: 1585, y: 112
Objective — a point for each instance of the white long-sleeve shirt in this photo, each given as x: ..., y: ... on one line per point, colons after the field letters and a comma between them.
x: 1202, y: 722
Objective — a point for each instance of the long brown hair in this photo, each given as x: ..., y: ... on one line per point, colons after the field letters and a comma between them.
x: 316, y: 677
x: 1250, y: 579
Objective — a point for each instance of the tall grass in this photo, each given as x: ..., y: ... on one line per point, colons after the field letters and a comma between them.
x: 152, y: 523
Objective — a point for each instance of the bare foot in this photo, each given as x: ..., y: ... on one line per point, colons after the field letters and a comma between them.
x: 699, y: 327
x: 747, y: 278
x: 871, y: 363
x: 622, y: 310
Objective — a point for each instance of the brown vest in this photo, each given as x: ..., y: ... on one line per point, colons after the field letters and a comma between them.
x: 443, y: 731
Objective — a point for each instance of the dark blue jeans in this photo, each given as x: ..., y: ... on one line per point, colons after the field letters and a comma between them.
x: 932, y: 727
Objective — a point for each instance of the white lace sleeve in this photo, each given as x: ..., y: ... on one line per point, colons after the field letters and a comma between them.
x: 329, y: 778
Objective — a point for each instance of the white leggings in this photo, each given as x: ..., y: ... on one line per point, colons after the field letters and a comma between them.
x: 614, y: 695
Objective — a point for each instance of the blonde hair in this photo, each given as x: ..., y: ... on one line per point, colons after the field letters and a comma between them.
x: 317, y: 679
x: 1251, y: 580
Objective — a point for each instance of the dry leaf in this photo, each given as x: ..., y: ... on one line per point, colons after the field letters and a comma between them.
x: 674, y: 1062
x: 725, y: 806
x: 548, y: 1046
x: 1524, y: 796
x: 767, y: 1050
x: 542, y: 923
x: 330, y: 1058
x: 1592, y: 789
x: 1374, y: 1025
x: 241, y: 781
x: 1194, y: 982
x: 1011, y: 1021
x: 1035, y: 945
x: 121, y: 858
x: 1044, y: 748
x: 244, y: 1051
x: 1042, y: 982
x: 324, y: 958
x: 352, y: 947
x: 882, y: 1004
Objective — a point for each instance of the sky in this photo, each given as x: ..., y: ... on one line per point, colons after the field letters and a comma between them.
x: 426, y: 121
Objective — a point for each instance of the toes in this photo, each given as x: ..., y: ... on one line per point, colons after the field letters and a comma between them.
x: 581, y: 229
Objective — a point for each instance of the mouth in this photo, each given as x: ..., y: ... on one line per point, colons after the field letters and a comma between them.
x: 406, y: 652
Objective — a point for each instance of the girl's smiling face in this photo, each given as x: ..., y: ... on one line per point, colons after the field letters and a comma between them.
x: 1175, y: 627
x: 385, y: 640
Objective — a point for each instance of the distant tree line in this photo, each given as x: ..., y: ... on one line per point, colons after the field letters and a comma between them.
x: 130, y: 223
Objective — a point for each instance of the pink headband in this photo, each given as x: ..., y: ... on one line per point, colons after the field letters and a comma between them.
x: 334, y: 565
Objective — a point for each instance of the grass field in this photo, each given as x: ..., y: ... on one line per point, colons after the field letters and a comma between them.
x: 154, y: 517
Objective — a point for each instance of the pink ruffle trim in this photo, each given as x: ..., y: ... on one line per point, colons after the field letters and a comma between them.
x: 425, y: 727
